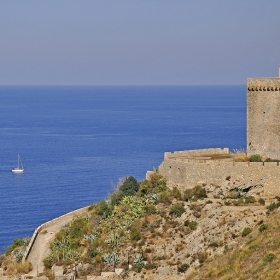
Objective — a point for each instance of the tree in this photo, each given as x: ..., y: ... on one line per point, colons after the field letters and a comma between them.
x: 130, y: 187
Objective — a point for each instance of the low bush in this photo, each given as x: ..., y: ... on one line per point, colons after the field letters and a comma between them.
x: 198, y: 192
x: 176, y: 193
x: 255, y: 158
x: 246, y: 231
x: 261, y: 201
x: 193, y: 225
x: 103, y: 208
x: 183, y: 268
x: 137, y: 267
x: 177, y: 210
x: 263, y: 227
x: 250, y: 199
x: 150, y: 209
x: 273, y: 206
x: 268, y: 258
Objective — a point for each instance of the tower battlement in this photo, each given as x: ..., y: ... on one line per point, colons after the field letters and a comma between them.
x: 263, y: 117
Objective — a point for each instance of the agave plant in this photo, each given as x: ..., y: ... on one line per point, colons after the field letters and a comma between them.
x: 138, y: 259
x: 90, y: 237
x: 111, y: 258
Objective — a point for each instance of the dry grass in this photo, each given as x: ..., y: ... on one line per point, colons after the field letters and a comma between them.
x: 19, y: 268
x: 256, y: 258
x: 240, y: 157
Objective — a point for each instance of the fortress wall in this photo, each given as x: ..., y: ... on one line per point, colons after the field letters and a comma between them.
x: 194, y: 153
x: 187, y: 175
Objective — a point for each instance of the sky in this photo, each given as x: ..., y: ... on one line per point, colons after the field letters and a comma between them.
x: 138, y: 42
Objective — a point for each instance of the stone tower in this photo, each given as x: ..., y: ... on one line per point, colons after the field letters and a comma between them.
x: 263, y: 117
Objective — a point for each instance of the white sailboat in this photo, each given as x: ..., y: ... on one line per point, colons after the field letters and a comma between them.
x: 19, y: 168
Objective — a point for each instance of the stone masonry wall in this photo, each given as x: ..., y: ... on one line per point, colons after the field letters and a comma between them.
x: 263, y: 117
x: 183, y: 174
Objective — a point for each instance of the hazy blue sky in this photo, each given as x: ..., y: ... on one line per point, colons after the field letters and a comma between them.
x: 142, y: 42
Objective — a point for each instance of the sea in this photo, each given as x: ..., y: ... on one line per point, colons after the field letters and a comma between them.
x: 77, y: 142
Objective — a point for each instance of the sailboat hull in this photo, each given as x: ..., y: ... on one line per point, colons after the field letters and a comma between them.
x: 17, y: 170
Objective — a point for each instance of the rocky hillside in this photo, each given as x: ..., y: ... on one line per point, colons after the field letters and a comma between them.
x: 148, y: 231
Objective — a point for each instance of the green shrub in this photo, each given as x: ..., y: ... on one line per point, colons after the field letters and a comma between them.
x: 177, y: 210
x: 150, y: 209
x: 255, y: 158
x: 193, y: 225
x: 176, y: 193
x: 115, y: 198
x: 137, y: 267
x: 183, y: 268
x: 129, y: 187
x: 263, y: 227
x: 16, y: 243
x: 92, y: 251
x: 261, y: 201
x: 103, y: 208
x: 47, y: 263
x: 268, y: 258
x: 273, y: 206
x: 250, y: 199
x: 246, y: 231
x: 155, y: 184
x: 198, y: 192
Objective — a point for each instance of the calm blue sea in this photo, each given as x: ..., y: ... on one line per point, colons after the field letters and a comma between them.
x: 76, y: 142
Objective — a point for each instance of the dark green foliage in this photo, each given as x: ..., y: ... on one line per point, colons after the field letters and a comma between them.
x: 150, y: 209
x: 137, y: 267
x: 129, y: 187
x: 246, y: 231
x: 183, y: 268
x: 263, y: 227
x: 16, y: 243
x: 273, y: 206
x: 177, y: 210
x: 92, y: 252
x: 77, y: 228
x: 268, y: 258
x: 250, y: 199
x: 47, y: 263
x: 261, y: 201
x: 255, y: 158
x: 193, y: 225
x: 103, y: 208
x: 214, y: 244
x: 198, y: 192
x: 116, y: 198
x: 155, y: 184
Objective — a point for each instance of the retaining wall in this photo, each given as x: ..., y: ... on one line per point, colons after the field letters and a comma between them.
x: 72, y: 215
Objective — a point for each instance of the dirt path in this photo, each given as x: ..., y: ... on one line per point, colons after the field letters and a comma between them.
x: 40, y: 248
